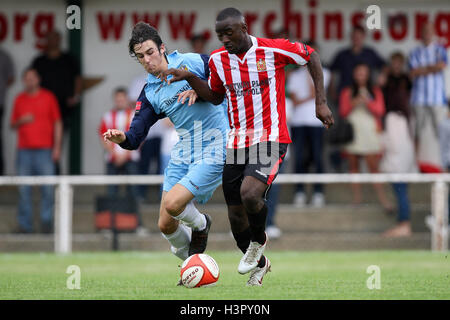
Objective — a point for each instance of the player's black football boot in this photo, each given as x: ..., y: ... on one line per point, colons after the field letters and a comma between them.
x: 199, y: 239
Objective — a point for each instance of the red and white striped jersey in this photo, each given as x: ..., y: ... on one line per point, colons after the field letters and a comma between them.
x: 255, y: 87
x: 120, y: 120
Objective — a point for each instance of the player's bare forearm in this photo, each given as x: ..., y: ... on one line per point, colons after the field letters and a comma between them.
x: 203, y: 90
x: 323, y: 113
x: 200, y: 86
x: 315, y: 69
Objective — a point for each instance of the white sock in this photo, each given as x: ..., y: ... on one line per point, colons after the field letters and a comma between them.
x: 192, y: 217
x: 182, y: 253
x: 179, y: 240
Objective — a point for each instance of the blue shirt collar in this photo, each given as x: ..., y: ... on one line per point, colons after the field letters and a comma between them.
x: 173, y: 60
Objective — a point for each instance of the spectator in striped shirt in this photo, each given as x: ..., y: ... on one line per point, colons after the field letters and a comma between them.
x: 118, y: 160
x: 426, y: 63
x: 249, y: 71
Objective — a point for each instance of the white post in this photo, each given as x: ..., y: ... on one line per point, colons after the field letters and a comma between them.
x: 63, y: 218
x: 439, y: 207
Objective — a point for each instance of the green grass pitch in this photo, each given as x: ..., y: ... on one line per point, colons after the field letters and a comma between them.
x: 295, y: 275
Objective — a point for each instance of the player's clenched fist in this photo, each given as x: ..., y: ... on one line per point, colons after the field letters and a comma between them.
x: 114, y: 135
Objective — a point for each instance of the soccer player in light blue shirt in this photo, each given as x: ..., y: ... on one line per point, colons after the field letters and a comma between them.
x: 196, y: 165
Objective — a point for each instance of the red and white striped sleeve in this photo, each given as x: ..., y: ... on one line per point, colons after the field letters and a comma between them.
x: 102, y: 127
x: 214, y: 81
x: 288, y: 52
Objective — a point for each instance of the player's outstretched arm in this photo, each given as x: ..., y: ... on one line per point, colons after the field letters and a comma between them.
x: 114, y: 135
x: 200, y: 86
x: 323, y: 113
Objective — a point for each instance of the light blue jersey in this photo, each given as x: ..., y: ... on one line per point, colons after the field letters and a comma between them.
x: 197, y: 159
x: 198, y: 125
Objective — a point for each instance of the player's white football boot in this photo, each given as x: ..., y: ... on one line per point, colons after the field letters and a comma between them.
x: 251, y: 257
x: 257, y: 275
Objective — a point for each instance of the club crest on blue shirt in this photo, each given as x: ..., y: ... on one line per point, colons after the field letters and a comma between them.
x: 138, y: 107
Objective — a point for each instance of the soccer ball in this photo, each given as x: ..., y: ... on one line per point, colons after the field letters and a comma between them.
x: 199, y: 270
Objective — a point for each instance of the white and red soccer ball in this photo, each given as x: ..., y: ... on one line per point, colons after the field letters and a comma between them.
x: 199, y: 270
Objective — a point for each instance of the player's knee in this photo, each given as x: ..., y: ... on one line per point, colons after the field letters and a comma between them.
x: 173, y: 206
x: 167, y: 227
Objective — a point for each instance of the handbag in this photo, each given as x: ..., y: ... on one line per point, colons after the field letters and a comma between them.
x: 341, y: 133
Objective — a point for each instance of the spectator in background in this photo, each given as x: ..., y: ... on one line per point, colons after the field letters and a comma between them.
x: 150, y: 151
x: 60, y: 73
x: 37, y: 119
x: 363, y: 105
x: 345, y: 60
x: 6, y: 79
x: 342, y: 66
x: 399, y: 155
x: 198, y: 43
x: 307, y: 130
x: 120, y: 161
x: 426, y: 63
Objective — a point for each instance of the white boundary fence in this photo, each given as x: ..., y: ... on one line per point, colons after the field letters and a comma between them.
x: 65, y: 184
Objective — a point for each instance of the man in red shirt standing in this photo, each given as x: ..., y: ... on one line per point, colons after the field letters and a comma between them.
x: 249, y: 71
x: 37, y: 118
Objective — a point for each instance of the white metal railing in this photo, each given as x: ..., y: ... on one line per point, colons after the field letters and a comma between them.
x: 64, y: 195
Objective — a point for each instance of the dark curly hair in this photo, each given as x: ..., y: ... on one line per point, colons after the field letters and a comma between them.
x: 141, y: 33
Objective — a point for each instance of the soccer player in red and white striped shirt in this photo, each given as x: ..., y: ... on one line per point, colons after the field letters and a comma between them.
x: 249, y: 71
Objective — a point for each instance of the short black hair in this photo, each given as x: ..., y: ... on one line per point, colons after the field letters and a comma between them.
x: 398, y: 55
x: 142, y: 32
x: 359, y: 28
x: 121, y: 90
x: 29, y: 68
x: 229, y: 12
x: 198, y: 37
